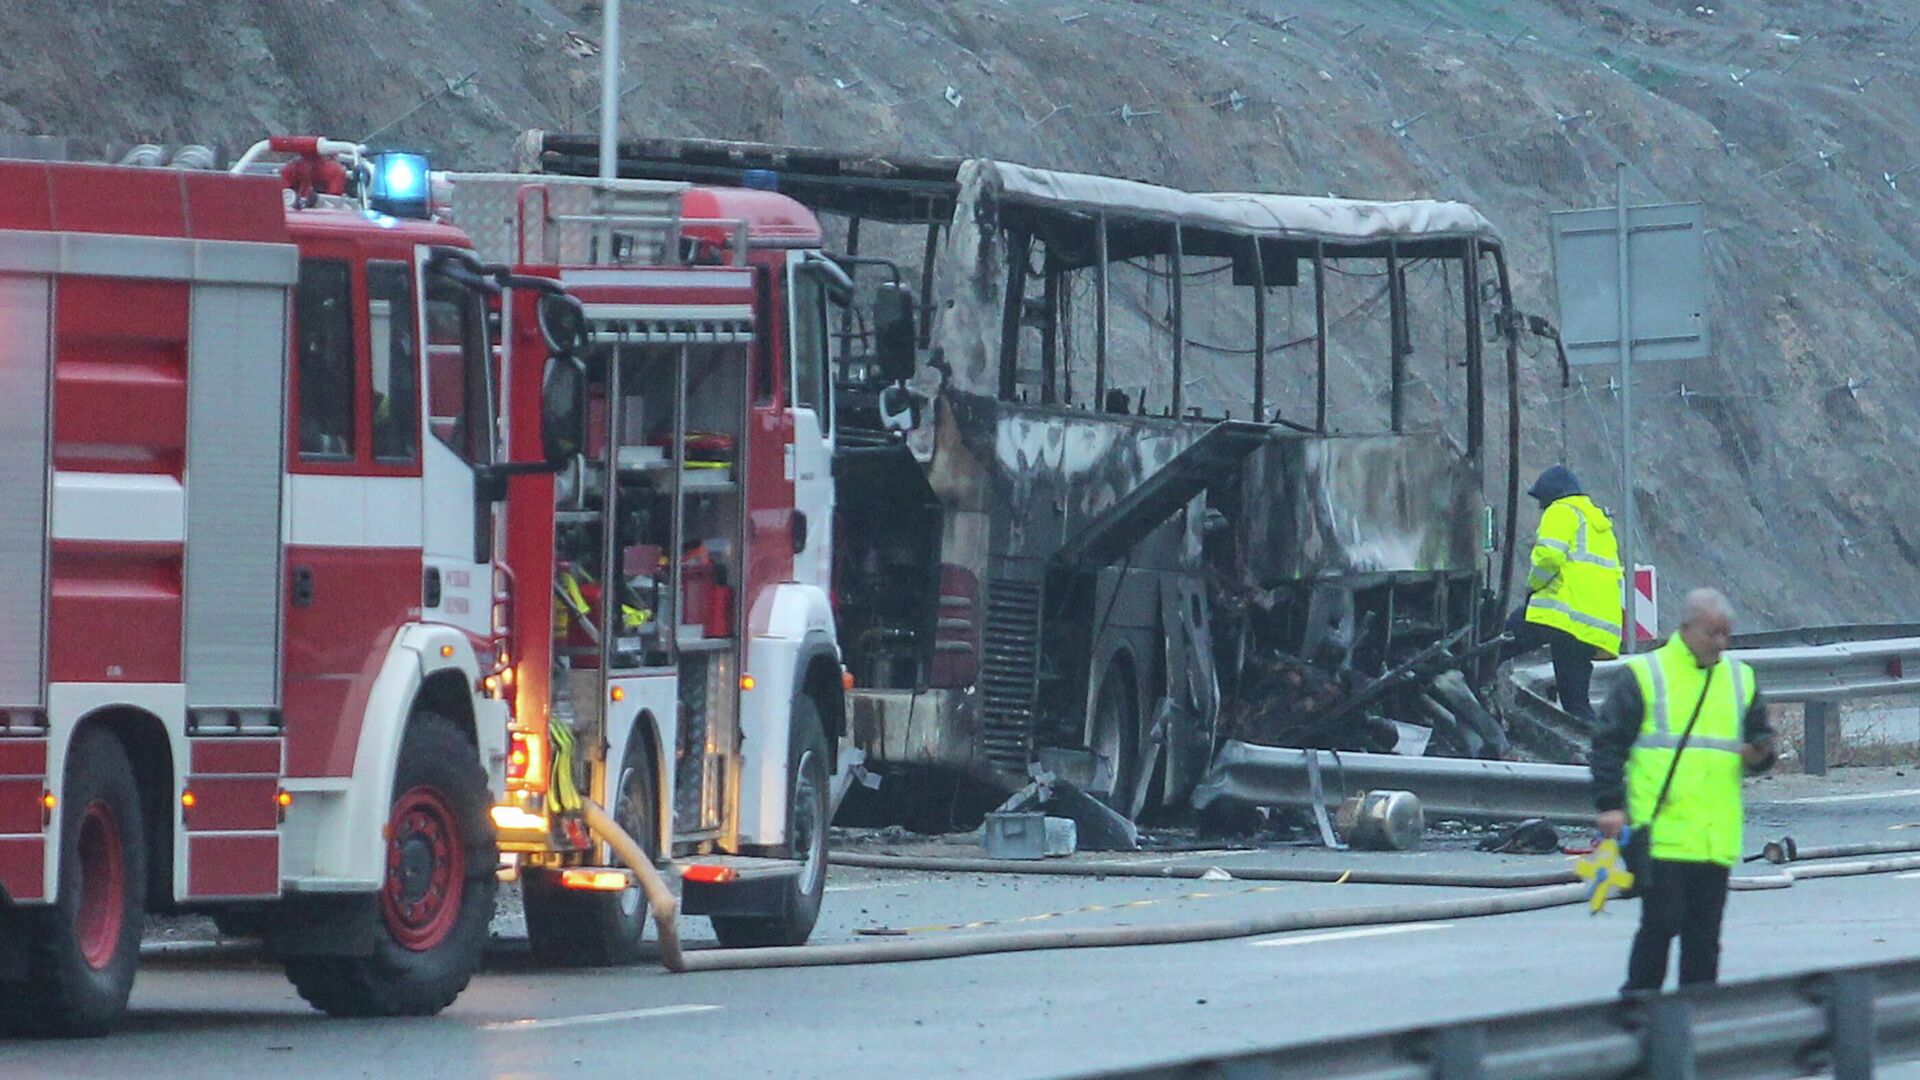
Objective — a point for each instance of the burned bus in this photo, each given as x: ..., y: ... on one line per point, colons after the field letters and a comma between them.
x: 1173, y: 468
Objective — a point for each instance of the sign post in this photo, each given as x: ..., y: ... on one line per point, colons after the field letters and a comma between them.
x: 1625, y: 262
x: 1632, y: 288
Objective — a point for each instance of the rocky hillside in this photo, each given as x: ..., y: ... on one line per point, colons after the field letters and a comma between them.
x: 1774, y: 469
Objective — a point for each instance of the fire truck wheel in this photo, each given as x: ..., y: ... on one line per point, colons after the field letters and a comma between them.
x: 807, y: 813
x: 82, y: 950
x: 571, y: 928
x: 437, y: 899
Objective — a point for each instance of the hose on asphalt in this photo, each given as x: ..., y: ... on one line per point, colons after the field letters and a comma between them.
x: 1526, y: 879
x: 660, y: 899
x: 1510, y: 900
x: 1854, y: 869
x: 1504, y: 903
x: 1102, y: 937
x: 1784, y: 850
x: 1786, y: 878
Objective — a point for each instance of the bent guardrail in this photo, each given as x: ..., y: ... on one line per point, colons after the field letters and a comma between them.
x: 1446, y: 787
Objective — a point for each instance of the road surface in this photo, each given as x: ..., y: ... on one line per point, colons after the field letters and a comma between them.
x: 1019, y: 1015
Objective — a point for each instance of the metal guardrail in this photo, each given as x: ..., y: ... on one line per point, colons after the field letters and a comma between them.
x: 1817, y: 666
x: 1835, y: 671
x: 1446, y: 787
x: 1838, y: 1022
x: 1825, y: 672
x: 1825, y: 635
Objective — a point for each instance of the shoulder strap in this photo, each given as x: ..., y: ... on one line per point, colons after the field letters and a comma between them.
x: 1686, y: 735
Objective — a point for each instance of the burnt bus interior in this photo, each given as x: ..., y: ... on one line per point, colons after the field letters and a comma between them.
x: 1236, y: 471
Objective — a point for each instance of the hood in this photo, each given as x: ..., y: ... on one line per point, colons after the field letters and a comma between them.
x: 1557, y: 482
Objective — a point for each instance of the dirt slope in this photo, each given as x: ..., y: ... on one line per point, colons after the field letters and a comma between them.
x: 1783, y: 471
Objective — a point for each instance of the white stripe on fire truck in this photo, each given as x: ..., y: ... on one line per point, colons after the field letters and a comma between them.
x: 718, y: 278
x: 737, y: 313
x: 353, y: 511
x: 118, y: 508
x: 151, y: 258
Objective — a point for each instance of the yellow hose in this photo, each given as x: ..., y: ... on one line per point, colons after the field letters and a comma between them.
x: 666, y: 909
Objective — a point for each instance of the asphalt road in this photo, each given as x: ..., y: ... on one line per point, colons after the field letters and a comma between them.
x: 1021, y: 1015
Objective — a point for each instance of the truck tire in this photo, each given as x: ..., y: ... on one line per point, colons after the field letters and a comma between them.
x: 807, y: 814
x: 571, y: 928
x: 1116, y: 738
x: 82, y: 950
x: 437, y: 899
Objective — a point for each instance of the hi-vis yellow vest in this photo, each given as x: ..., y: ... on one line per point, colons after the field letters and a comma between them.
x: 1701, y: 819
x: 1575, y: 577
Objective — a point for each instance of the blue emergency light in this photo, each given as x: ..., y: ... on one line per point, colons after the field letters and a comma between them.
x: 399, y: 184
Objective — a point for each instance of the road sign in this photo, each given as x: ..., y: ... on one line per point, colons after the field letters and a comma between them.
x: 1668, y: 270
x: 1644, y: 603
x: 1633, y: 289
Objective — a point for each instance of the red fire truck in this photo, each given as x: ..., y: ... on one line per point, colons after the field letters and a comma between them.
x: 258, y: 591
x: 686, y: 674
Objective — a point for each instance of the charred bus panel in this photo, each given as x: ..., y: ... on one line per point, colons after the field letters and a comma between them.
x: 1056, y: 542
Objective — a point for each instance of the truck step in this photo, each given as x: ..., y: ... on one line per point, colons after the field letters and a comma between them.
x: 736, y: 885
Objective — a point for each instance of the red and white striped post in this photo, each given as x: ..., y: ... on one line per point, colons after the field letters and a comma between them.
x: 1643, y: 604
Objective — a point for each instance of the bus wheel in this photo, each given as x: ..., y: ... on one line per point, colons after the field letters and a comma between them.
x: 437, y: 897
x: 1116, y: 737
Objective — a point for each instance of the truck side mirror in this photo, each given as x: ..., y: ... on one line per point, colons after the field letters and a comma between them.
x: 563, y: 410
x: 894, y: 333
x: 563, y: 323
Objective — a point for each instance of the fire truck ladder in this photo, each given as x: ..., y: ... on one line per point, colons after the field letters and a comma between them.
x: 575, y: 221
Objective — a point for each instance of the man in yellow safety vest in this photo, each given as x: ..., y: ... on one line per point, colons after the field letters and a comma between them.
x: 1680, y: 727
x: 1573, y: 590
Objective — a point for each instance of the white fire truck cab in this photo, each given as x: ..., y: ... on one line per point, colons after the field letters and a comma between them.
x: 684, y: 672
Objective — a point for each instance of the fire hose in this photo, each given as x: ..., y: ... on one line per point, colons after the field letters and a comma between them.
x: 1784, y: 850
x: 1510, y: 901
x: 1192, y: 871
x: 660, y: 898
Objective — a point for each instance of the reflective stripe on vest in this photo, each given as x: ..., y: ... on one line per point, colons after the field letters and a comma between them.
x: 1701, y: 818
x: 1581, y: 552
x: 1571, y: 612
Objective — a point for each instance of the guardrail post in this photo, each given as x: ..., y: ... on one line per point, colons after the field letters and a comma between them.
x: 1669, y: 1040
x: 1850, y: 1031
x: 1459, y: 1053
x: 1822, y: 719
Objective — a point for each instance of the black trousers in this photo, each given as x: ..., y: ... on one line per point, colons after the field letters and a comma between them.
x: 1684, y: 899
x: 1572, y: 662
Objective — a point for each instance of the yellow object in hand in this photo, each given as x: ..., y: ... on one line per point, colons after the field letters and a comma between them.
x: 1605, y: 872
